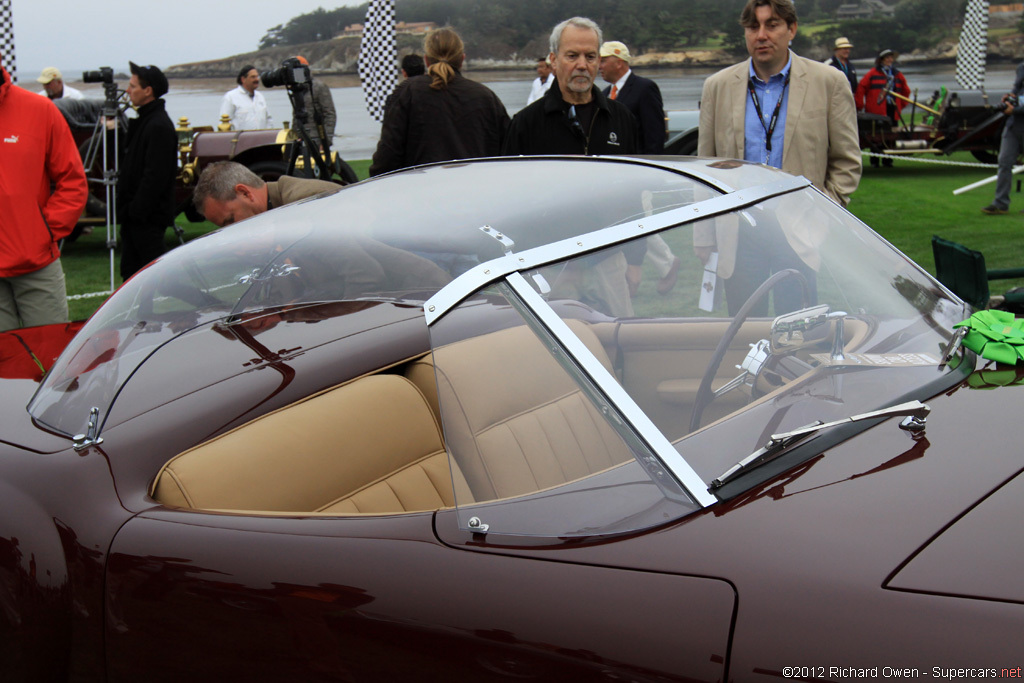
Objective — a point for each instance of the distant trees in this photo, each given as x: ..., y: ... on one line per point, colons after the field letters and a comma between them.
x: 320, y: 24
x: 501, y: 28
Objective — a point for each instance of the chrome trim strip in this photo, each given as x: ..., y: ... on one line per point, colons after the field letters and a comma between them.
x: 496, y: 269
x: 662, y: 447
x: 688, y: 170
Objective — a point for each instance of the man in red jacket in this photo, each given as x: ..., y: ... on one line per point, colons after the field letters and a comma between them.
x: 42, y: 194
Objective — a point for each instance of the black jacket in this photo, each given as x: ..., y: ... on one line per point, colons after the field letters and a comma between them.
x: 642, y: 96
x: 145, y: 186
x: 849, y: 70
x: 422, y: 125
x: 545, y: 127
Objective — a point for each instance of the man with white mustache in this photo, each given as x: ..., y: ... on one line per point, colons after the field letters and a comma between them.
x: 575, y: 117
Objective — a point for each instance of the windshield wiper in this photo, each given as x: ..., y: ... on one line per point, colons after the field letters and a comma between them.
x: 779, y: 442
x: 954, y: 345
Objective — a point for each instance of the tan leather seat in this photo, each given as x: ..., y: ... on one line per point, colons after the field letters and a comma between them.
x: 370, y: 446
x: 515, y: 421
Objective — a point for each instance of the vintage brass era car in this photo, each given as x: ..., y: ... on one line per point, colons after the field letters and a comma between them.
x: 419, y: 429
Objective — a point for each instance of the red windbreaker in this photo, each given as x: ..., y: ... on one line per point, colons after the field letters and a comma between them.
x: 36, y: 149
x: 870, y: 93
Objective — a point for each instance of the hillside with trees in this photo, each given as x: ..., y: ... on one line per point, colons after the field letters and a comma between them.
x: 498, y: 29
x: 511, y: 34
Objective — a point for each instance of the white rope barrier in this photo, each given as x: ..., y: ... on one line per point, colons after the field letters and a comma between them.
x: 88, y: 296
x: 902, y: 157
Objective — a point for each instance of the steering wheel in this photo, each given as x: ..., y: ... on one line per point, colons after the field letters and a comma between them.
x: 704, y: 394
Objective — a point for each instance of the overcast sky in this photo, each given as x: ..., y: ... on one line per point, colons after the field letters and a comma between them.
x: 74, y: 35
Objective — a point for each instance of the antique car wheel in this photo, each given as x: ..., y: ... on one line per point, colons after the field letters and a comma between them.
x: 704, y: 394
x: 346, y: 172
x: 269, y: 170
x: 985, y: 156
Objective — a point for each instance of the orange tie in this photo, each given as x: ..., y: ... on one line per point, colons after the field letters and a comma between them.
x: 615, y: 92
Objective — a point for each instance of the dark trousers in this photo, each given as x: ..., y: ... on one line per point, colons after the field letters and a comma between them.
x: 762, y: 251
x: 140, y: 244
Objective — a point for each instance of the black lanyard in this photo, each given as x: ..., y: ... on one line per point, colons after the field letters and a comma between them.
x: 770, y: 128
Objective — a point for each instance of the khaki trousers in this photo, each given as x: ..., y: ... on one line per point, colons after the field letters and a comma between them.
x: 37, y: 298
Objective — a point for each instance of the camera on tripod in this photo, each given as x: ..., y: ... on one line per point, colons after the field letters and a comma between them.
x: 295, y: 76
x: 291, y: 73
x: 104, y: 74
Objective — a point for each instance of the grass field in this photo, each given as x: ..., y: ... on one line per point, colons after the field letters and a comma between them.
x: 906, y: 204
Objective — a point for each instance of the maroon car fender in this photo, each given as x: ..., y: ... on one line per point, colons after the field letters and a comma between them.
x: 35, y: 599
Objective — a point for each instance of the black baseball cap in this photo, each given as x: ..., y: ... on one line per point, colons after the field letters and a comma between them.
x: 150, y: 77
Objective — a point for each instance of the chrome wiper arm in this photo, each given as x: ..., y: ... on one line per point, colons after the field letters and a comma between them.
x: 779, y: 442
x: 955, y: 342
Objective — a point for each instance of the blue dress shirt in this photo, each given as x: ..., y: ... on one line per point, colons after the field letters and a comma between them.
x: 754, y: 131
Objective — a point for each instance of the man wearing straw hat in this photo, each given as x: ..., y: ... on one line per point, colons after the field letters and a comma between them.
x: 840, y: 59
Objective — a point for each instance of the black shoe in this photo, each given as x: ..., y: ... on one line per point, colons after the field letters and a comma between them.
x: 994, y: 210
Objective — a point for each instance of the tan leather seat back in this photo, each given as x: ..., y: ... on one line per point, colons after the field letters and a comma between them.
x: 372, y: 445
x: 515, y: 420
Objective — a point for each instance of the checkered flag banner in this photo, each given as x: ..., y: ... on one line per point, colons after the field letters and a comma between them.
x: 970, y: 55
x: 378, y: 55
x: 7, y: 39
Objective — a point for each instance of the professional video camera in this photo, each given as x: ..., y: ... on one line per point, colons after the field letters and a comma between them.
x: 104, y: 74
x: 296, y: 78
x: 291, y: 73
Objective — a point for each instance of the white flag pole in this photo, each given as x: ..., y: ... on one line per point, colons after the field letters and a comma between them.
x: 986, y: 181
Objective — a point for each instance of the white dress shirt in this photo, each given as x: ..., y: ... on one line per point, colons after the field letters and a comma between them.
x: 245, y: 112
x: 621, y: 83
x: 69, y: 93
x: 538, y: 89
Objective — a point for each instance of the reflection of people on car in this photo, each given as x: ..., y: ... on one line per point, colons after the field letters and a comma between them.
x: 348, y: 267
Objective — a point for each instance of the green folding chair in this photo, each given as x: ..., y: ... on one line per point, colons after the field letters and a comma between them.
x: 963, y: 271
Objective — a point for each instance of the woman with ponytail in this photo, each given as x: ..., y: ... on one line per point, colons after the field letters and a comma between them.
x: 441, y: 115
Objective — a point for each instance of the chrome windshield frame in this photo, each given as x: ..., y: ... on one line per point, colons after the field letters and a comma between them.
x: 508, y: 268
x: 496, y: 269
x: 662, y: 448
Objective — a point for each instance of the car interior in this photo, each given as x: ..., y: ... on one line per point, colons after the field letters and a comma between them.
x: 375, y: 445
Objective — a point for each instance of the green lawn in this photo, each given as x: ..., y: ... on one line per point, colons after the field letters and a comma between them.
x: 906, y: 204
x: 912, y: 201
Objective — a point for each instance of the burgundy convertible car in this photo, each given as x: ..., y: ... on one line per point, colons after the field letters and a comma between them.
x: 419, y: 430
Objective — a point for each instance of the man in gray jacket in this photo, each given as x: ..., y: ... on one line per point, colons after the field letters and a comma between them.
x: 320, y: 111
x: 1010, y: 147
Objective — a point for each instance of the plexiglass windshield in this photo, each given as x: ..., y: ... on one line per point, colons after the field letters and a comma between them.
x: 400, y: 238
x: 782, y: 313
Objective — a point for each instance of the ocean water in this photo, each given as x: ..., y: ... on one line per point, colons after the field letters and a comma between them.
x: 357, y: 132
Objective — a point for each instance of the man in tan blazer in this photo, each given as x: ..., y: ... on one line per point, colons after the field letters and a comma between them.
x: 786, y: 111
x: 228, y: 192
